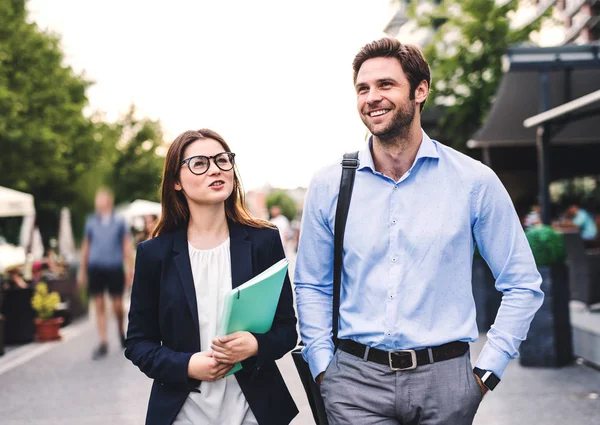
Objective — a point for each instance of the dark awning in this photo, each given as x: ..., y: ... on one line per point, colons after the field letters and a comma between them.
x: 518, y: 98
x: 570, y: 72
x: 560, y: 112
x: 567, y: 145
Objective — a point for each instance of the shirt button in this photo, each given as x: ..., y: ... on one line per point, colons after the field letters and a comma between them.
x: 391, y: 297
x: 395, y: 187
x: 393, y: 221
x: 393, y: 260
x: 389, y: 334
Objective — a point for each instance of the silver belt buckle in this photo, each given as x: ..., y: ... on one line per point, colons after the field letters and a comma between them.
x: 413, y: 357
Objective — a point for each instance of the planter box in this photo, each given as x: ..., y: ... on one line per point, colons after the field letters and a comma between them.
x: 584, y: 270
x: 1, y: 318
x: 549, y: 341
x: 487, y: 297
x: 1, y: 335
x: 18, y: 316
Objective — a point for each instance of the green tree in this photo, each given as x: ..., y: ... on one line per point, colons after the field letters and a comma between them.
x: 285, y: 202
x: 136, y: 169
x: 48, y: 146
x: 466, y: 59
x: 129, y: 164
x: 46, y: 141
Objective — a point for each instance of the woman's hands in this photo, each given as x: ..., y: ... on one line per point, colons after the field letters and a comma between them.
x: 225, y: 352
x: 234, y: 348
x: 204, y: 367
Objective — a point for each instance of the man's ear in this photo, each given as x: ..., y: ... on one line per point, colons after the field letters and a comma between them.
x: 421, y: 92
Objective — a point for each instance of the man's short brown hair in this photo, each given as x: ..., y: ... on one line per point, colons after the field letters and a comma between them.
x: 410, y: 57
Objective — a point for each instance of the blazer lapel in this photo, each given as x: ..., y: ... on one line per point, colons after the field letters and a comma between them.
x: 241, y: 255
x: 184, y: 268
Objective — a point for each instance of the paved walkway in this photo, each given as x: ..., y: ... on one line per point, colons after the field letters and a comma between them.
x: 58, y: 384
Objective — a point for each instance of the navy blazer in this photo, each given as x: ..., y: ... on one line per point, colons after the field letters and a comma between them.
x: 163, y: 330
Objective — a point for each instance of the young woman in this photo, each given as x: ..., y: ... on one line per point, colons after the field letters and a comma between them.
x: 205, y: 243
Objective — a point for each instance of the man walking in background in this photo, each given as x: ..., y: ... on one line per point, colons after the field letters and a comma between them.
x: 106, y: 261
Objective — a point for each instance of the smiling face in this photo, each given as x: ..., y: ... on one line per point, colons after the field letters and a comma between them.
x: 212, y: 187
x: 384, y: 99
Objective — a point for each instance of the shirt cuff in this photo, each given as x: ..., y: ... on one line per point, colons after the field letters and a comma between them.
x: 318, y: 361
x: 492, y: 360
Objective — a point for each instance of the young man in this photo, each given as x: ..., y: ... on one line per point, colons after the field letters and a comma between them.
x: 580, y: 219
x: 106, y: 260
x: 407, y: 312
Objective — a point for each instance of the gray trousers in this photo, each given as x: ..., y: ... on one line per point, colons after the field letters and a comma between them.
x: 360, y: 392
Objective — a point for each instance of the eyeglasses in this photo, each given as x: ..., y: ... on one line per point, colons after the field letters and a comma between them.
x: 200, y: 164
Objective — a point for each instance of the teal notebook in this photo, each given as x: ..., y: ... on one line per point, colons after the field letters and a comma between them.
x: 251, y: 306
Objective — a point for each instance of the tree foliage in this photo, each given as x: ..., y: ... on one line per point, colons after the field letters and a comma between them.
x: 48, y: 146
x: 135, y: 169
x: 465, y: 56
x: 284, y: 201
x: 45, y: 139
x: 129, y: 165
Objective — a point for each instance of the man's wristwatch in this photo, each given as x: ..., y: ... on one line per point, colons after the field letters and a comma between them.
x: 487, y: 378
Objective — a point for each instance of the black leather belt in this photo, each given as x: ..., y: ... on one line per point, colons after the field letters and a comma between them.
x: 405, y: 359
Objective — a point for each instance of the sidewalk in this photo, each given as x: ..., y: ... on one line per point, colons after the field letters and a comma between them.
x: 59, y: 384
x: 532, y: 396
x: 540, y: 396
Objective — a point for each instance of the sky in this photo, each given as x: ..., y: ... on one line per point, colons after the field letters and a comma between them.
x: 273, y: 77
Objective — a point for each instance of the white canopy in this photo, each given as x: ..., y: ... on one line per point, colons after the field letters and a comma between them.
x: 11, y: 256
x: 139, y: 208
x: 15, y: 204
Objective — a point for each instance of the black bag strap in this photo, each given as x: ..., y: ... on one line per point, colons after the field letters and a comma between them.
x: 349, y: 165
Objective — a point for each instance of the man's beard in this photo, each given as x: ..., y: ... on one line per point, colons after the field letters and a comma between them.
x: 399, y: 125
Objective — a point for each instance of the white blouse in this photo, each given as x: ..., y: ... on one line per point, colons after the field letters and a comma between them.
x: 222, y: 401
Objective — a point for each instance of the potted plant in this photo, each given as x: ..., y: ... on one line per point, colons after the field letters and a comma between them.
x: 548, y: 341
x: 45, y: 304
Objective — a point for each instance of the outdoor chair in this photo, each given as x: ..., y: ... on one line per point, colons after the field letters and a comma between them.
x: 69, y: 295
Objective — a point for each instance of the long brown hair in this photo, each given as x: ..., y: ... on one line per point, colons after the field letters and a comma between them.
x: 175, y: 210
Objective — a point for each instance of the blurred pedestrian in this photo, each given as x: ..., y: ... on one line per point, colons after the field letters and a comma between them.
x: 579, y: 218
x: 106, y: 264
x: 146, y: 233
x: 282, y: 223
x: 533, y: 218
x: 15, y: 279
x: 205, y: 243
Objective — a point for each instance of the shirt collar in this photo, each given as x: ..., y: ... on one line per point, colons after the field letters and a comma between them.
x: 427, y: 149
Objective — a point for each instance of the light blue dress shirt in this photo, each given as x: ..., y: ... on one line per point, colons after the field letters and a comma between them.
x: 408, y: 252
